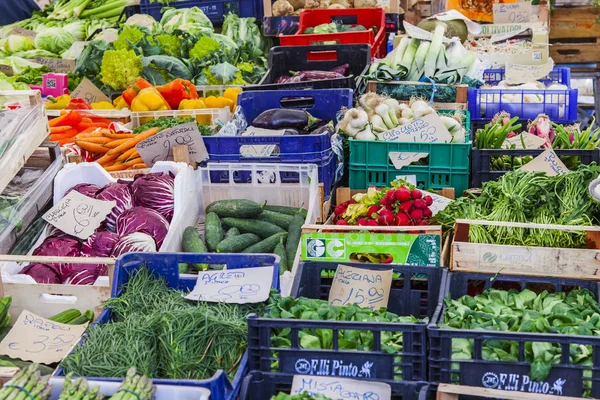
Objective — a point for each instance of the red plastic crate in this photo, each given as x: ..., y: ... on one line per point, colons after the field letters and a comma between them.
x: 366, y: 17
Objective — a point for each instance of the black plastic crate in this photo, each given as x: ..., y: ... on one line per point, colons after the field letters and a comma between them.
x: 565, y: 379
x: 261, y: 386
x: 483, y: 168
x: 414, y: 292
x: 283, y: 59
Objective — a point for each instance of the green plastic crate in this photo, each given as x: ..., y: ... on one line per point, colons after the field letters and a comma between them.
x: 447, y: 165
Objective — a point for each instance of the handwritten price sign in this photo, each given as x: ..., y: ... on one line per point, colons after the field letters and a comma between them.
x: 363, y: 287
x: 239, y: 286
x: 340, y: 388
x: 40, y: 340
x: 160, y: 146
x: 512, y: 13
x: 78, y: 215
x: 429, y: 129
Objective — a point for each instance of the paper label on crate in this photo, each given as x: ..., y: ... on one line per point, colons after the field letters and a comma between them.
x: 239, y: 286
x: 58, y: 65
x: 160, y: 146
x: 88, y: 91
x: 37, y: 339
x: 23, y: 32
x: 6, y: 70
x: 376, y: 248
x: 531, y: 141
x: 78, y: 215
x: 259, y: 150
x: 501, y: 37
x: 496, y: 29
x: 364, y: 287
x: 439, y: 202
x: 404, y: 158
x: 516, y: 74
x: 428, y: 129
x: 512, y: 13
x: 340, y: 388
x: 547, y: 162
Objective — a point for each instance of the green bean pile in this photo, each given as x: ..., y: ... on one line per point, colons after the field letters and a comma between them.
x: 521, y: 196
x: 163, y: 335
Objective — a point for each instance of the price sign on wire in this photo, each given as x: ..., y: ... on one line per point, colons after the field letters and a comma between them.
x: 78, y: 215
x: 364, y: 287
x: 40, y: 340
x: 512, y: 13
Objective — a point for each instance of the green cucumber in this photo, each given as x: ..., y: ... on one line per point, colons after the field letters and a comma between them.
x: 263, y: 229
x: 280, y: 251
x: 234, y: 208
x: 191, y: 242
x: 237, y: 243
x: 232, y: 232
x: 213, y: 231
x: 87, y: 316
x: 294, y: 235
x: 286, y: 210
x: 279, y: 219
x: 66, y: 316
x: 266, y: 245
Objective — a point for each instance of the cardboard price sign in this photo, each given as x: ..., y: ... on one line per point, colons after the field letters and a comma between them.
x: 517, y: 73
x: 23, y: 32
x: 6, y: 70
x: 159, y: 147
x: 58, y: 65
x: 88, y: 91
x: 512, y: 13
x: 37, y: 339
x: 547, y: 162
x: 78, y: 215
x: 239, y: 286
x: 428, y: 129
x: 439, y: 202
x: 340, y: 388
x: 364, y: 287
x: 531, y: 141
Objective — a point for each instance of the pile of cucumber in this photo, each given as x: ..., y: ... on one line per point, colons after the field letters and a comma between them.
x: 243, y: 226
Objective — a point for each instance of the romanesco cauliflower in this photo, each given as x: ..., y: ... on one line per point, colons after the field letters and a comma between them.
x: 120, y: 68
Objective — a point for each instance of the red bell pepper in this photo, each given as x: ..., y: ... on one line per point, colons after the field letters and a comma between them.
x: 177, y: 91
x: 132, y: 91
x: 78, y: 104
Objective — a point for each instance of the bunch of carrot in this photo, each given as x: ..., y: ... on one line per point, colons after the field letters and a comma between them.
x: 117, y: 149
x: 71, y: 123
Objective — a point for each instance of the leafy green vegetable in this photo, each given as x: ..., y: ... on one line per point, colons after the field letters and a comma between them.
x: 205, y: 47
x: 167, y: 123
x: 160, y: 70
x: 170, y: 44
x: 54, y: 40
x: 32, y: 76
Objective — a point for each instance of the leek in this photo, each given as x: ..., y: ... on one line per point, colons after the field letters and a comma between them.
x: 397, y: 59
x: 437, y: 44
x: 408, y: 57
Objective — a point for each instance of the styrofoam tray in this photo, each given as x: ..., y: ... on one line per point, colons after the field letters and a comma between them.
x: 163, y: 392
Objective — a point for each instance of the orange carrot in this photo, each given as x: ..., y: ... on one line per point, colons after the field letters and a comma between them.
x: 133, y: 161
x: 59, y: 129
x: 126, y: 155
x: 93, y: 147
x: 133, y: 141
x: 115, y: 135
x: 139, y: 166
x: 97, y: 139
x: 114, y: 143
x: 116, y: 167
x: 106, y: 159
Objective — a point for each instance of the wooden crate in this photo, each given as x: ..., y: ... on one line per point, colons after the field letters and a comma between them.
x: 523, y: 260
x: 569, y: 51
x: 447, y: 391
x: 575, y: 22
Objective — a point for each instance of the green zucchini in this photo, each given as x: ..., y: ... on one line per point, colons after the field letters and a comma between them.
x: 279, y: 219
x: 87, y: 316
x: 286, y: 210
x: 263, y: 229
x: 294, y: 235
x: 232, y: 232
x: 191, y: 242
x: 266, y: 245
x: 66, y: 316
x: 234, y: 208
x: 213, y: 231
x: 237, y: 243
x: 280, y: 251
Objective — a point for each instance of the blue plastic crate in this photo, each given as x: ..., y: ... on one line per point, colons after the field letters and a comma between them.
x: 414, y: 291
x: 557, y: 75
x: 293, y: 149
x: 165, y: 265
x: 215, y: 10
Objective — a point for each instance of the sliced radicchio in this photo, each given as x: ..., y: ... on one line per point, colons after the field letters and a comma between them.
x: 155, y: 191
x: 142, y: 219
x: 134, y: 242
x: 120, y: 193
x: 42, y: 273
x: 86, y: 189
x: 58, y: 247
x: 100, y: 244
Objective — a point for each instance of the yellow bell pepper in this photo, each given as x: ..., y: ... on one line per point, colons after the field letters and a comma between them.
x: 58, y: 103
x: 149, y: 99
x: 195, y: 105
x: 228, y: 103
x: 232, y: 94
x: 102, y: 105
x: 120, y: 103
x: 219, y: 102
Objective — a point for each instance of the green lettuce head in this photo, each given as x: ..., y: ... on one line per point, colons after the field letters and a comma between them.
x: 16, y: 43
x: 54, y: 40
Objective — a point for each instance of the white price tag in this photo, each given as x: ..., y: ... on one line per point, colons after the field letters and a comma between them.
x: 159, y: 147
x: 341, y: 388
x: 239, y: 286
x: 547, y: 162
x: 78, y: 215
x: 428, y: 129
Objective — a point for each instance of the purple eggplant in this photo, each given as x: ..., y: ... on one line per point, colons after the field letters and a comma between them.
x: 282, y: 118
x: 313, y: 75
x: 327, y: 128
x: 343, y: 70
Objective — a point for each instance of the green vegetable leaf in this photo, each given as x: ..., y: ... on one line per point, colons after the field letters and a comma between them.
x: 224, y: 72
